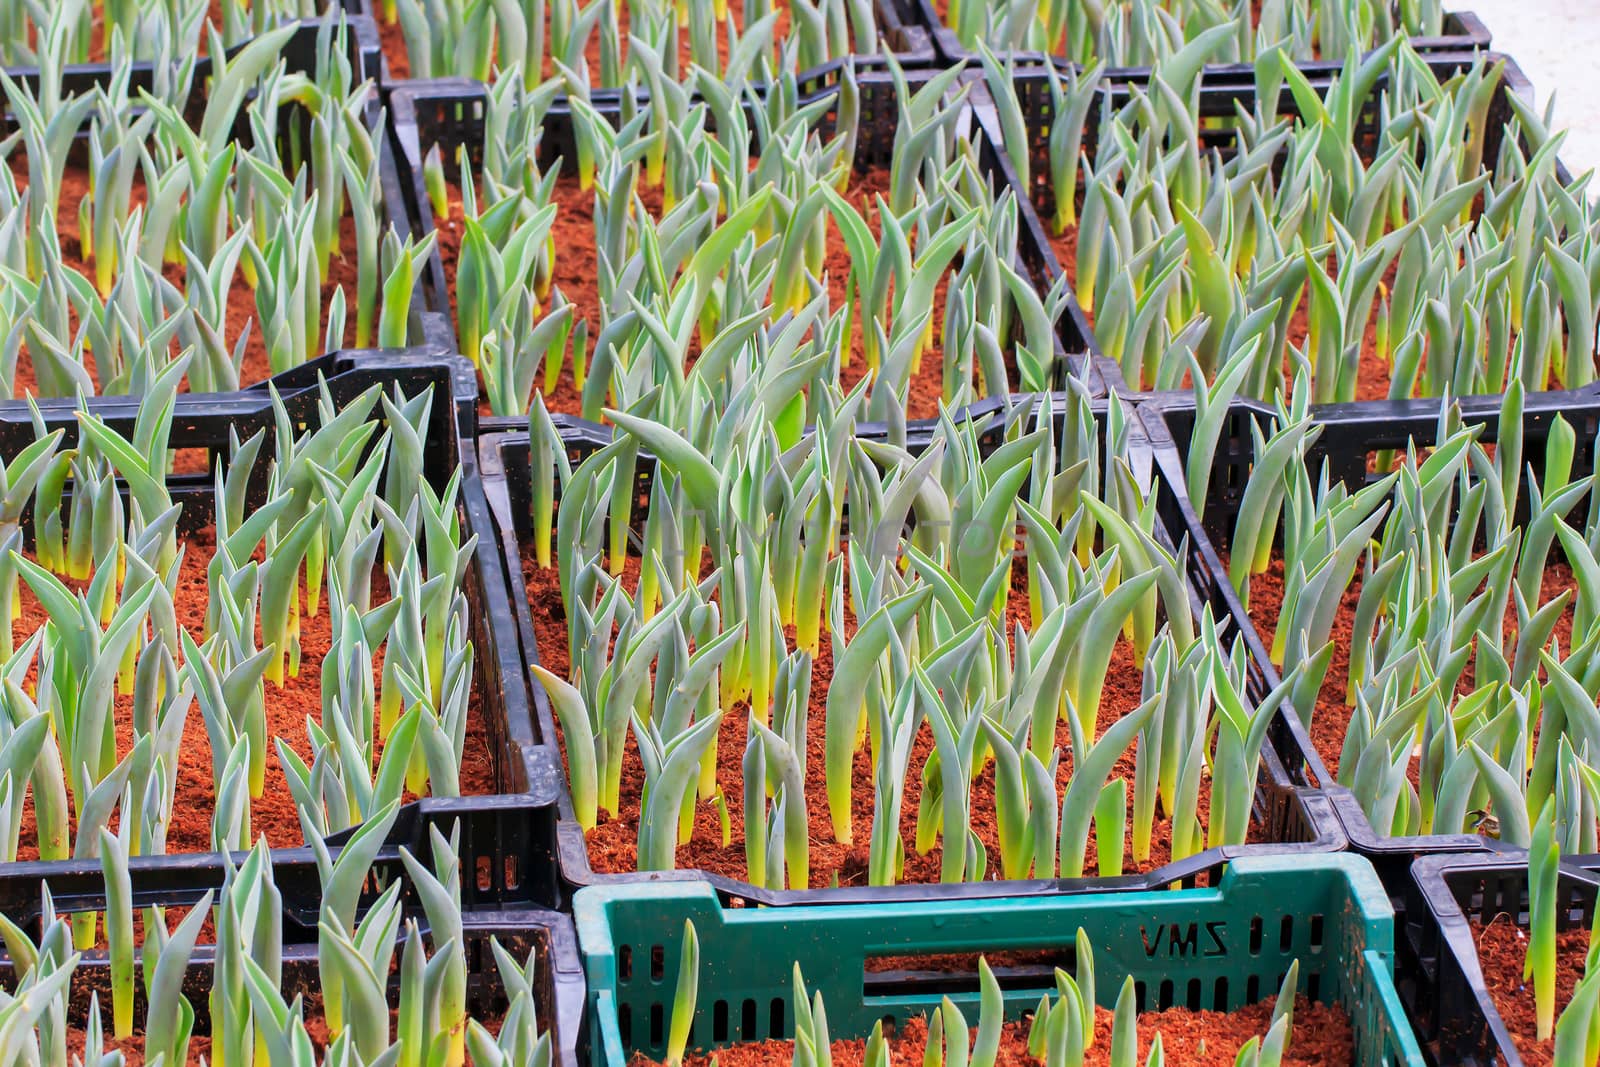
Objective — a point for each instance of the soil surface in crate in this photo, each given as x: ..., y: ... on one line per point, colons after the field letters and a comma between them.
x: 1502, y: 948
x: 132, y: 1048
x: 196, y: 989
x: 399, y: 58
x: 1065, y: 247
x: 273, y: 815
x: 242, y: 312
x: 200, y: 1043
x: 87, y: 982
x: 1332, y: 718
x: 613, y: 843
x: 1320, y: 1037
x: 576, y: 274
x: 199, y: 1050
x: 392, y: 39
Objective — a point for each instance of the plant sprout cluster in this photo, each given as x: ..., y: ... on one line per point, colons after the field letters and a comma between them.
x: 1462, y: 667
x: 1060, y: 1031
x: 251, y: 1023
x: 1139, y: 33
x: 1577, y: 1029
x: 36, y: 34
x: 909, y: 603
x: 1425, y: 266
x: 184, y: 210
x: 96, y: 699
x: 729, y: 275
x: 610, y: 44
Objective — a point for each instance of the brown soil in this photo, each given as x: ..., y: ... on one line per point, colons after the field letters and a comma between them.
x: 393, y: 41
x: 967, y: 962
x: 399, y: 59
x: 612, y: 843
x: 242, y: 313
x: 1502, y: 948
x: 1321, y: 1037
x: 448, y: 231
x: 1065, y: 247
x: 448, y: 234
x: 273, y: 815
x: 199, y: 1050
x: 132, y: 1048
x: 200, y: 1044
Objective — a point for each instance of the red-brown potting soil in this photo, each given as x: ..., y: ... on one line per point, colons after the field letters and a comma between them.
x: 392, y: 39
x: 394, y: 44
x: 199, y: 1051
x: 575, y: 270
x: 242, y: 311
x: 84, y: 983
x: 273, y: 815
x: 1065, y: 247
x: 613, y: 843
x: 1320, y: 1037
x: 1502, y: 948
x: 132, y: 1048
x: 967, y: 962
x: 447, y: 237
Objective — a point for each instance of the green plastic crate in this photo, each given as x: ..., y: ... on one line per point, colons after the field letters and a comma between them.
x: 1220, y: 947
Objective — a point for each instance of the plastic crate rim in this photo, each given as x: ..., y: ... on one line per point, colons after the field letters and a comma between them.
x: 590, y: 903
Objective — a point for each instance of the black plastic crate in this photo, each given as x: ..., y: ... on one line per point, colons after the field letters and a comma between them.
x: 1223, y: 92
x: 1226, y: 89
x: 890, y: 962
x: 549, y: 936
x: 508, y: 837
x: 1437, y: 970
x: 429, y: 336
x: 1463, y: 32
x: 1351, y: 434
x: 1292, y: 818
x: 299, y: 55
x: 450, y: 114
